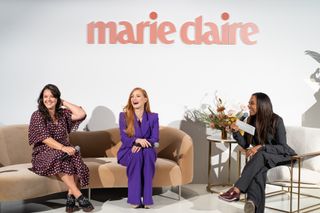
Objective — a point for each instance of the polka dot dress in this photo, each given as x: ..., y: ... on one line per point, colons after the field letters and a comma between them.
x: 47, y: 161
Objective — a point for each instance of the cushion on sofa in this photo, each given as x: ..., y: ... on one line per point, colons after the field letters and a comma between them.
x: 105, y: 172
x: 282, y: 174
x: 305, y: 140
x: 18, y: 182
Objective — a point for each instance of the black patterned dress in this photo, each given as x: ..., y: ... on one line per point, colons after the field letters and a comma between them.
x: 47, y: 161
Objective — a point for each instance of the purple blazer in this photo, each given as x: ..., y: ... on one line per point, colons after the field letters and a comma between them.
x: 149, y: 129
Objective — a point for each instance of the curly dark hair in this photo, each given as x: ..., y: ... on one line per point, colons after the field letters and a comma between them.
x: 43, y: 109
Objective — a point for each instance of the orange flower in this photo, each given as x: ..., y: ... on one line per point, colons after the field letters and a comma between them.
x: 217, y: 117
x: 221, y: 109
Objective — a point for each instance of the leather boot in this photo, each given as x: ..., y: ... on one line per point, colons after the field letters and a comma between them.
x: 85, y: 204
x: 71, y: 204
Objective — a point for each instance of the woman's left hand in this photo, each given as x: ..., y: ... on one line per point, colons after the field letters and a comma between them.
x: 251, y: 152
x: 135, y: 149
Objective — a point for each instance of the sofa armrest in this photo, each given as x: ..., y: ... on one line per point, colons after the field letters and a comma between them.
x: 185, y: 159
x: 177, y: 146
x: 305, y: 155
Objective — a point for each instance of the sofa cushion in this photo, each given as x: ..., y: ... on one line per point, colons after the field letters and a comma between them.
x: 282, y: 174
x: 305, y: 140
x: 105, y: 172
x: 18, y: 182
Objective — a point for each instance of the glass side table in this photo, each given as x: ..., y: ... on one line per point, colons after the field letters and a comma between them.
x: 212, y: 139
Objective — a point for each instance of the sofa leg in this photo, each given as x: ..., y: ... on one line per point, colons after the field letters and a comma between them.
x: 179, y: 191
x: 173, y: 189
x: 89, y: 193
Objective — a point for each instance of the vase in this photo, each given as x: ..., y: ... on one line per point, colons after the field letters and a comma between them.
x: 224, y: 134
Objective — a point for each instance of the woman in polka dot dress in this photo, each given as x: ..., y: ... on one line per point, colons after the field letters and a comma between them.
x: 48, y: 133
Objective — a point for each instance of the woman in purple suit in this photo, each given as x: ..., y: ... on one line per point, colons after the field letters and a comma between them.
x: 139, y: 129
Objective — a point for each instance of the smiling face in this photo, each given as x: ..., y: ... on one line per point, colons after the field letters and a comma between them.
x: 49, y: 100
x: 252, y: 105
x: 138, y: 100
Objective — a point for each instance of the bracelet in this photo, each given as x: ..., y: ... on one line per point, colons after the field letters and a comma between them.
x: 61, y: 147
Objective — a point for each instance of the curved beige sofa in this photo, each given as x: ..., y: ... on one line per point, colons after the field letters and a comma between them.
x: 174, y: 166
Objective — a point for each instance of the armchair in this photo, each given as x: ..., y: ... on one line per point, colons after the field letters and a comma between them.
x: 302, y: 173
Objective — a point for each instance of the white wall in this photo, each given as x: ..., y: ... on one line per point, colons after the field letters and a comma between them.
x: 45, y: 42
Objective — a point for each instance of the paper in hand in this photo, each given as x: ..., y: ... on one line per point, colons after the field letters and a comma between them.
x: 245, y: 127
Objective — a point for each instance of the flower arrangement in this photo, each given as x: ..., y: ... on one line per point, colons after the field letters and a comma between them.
x: 217, y: 117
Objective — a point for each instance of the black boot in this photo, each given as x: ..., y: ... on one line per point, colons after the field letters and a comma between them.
x: 71, y: 204
x: 85, y: 204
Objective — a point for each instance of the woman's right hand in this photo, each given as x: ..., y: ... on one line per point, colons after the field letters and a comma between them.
x: 143, y: 142
x: 234, y: 127
x: 252, y: 151
x: 69, y: 150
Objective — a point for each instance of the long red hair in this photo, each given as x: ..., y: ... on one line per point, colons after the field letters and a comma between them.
x: 129, y: 111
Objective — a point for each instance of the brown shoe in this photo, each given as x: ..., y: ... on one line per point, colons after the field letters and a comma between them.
x: 230, y: 195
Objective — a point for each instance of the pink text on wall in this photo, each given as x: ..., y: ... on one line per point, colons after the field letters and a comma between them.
x: 195, y: 32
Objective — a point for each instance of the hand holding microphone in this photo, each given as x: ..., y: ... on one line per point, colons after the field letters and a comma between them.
x: 156, y: 145
x: 244, y: 116
x: 69, y: 150
x: 145, y: 143
x: 234, y: 127
x: 141, y: 142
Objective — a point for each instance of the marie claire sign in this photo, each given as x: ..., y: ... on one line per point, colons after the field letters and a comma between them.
x: 195, y: 32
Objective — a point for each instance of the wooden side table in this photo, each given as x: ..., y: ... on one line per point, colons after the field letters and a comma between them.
x: 212, y: 139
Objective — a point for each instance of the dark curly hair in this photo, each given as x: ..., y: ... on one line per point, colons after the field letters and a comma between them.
x: 43, y: 109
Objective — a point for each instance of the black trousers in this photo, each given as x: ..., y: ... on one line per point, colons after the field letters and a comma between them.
x: 253, y: 179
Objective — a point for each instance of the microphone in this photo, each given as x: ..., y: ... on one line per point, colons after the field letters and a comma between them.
x: 156, y: 144
x: 244, y: 116
x: 65, y: 155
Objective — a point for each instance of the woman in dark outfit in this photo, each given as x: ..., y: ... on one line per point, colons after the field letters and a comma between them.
x: 269, y: 149
x: 49, y: 132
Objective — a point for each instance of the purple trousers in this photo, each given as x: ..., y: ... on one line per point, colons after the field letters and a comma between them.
x: 140, y: 171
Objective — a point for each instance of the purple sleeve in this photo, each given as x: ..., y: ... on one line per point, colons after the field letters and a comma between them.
x: 125, y: 139
x: 38, y: 130
x: 71, y: 125
x: 154, y: 137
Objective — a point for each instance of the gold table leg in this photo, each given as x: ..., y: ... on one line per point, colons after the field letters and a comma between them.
x: 211, y: 185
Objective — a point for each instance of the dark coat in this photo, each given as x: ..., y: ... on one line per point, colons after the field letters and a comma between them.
x: 275, y: 145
